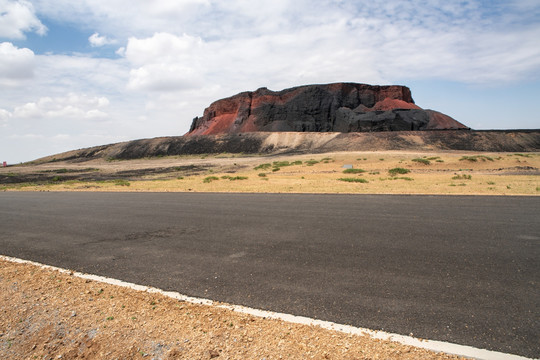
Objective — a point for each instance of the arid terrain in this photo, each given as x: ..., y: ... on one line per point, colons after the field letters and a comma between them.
x: 373, y: 172
x: 47, y: 314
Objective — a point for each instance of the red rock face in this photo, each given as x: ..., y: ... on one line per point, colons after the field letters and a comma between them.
x: 341, y: 107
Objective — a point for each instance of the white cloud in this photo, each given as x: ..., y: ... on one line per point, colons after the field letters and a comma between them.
x: 4, y: 117
x: 18, y: 17
x: 72, y: 107
x: 96, y: 40
x: 15, y: 63
x: 165, y: 62
x: 176, y: 57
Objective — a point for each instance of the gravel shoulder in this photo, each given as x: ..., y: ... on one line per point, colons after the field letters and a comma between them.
x: 47, y: 314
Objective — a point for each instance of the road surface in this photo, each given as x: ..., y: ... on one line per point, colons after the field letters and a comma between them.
x: 451, y: 268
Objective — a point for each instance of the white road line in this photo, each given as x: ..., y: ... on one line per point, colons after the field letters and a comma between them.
x: 433, y: 345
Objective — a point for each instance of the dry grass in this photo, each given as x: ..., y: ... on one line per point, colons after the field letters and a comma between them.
x: 441, y: 173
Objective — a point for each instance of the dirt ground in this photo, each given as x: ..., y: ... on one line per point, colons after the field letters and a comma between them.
x: 46, y: 314
x: 442, y: 172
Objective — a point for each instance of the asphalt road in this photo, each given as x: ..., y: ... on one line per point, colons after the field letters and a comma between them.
x: 458, y: 269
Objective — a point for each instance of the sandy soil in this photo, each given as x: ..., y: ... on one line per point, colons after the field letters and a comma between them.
x: 425, y: 173
x: 46, y: 314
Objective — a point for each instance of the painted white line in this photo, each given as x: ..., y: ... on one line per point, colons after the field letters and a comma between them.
x: 433, y: 345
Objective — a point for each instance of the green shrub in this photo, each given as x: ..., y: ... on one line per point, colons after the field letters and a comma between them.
x: 209, y: 179
x: 462, y: 177
x: 233, y: 178
x: 353, y: 171
x: 398, y: 170
x: 311, y: 162
x: 475, y: 158
x: 358, y: 180
x: 403, y: 178
x: 422, y: 161
x: 263, y: 166
x: 121, y: 182
x: 279, y: 164
x: 262, y: 174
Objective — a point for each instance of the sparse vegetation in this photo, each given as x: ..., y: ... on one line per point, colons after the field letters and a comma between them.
x: 353, y: 171
x: 422, y: 161
x: 357, y: 180
x: 462, y: 177
x: 263, y: 166
x: 209, y: 179
x: 262, y: 174
x: 279, y: 164
x: 121, y: 182
x: 398, y: 170
x: 475, y: 158
x: 311, y: 162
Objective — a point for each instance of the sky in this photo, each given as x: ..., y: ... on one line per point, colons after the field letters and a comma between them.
x: 75, y: 74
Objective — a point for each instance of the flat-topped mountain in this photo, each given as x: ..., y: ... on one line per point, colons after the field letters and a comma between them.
x: 338, y: 107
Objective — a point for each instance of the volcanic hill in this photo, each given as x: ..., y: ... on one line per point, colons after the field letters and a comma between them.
x: 338, y: 107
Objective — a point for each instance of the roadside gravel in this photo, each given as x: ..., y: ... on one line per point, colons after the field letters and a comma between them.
x: 46, y: 314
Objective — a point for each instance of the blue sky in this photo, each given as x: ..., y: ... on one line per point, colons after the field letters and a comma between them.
x: 81, y: 73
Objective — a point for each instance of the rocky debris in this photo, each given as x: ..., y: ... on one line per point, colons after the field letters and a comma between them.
x: 338, y: 107
x: 279, y: 142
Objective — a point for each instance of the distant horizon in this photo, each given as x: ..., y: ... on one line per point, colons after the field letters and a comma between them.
x: 76, y: 74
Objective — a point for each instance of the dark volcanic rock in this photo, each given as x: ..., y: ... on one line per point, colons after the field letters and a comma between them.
x: 340, y: 107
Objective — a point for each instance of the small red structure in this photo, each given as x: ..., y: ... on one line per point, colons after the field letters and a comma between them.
x: 4, y: 164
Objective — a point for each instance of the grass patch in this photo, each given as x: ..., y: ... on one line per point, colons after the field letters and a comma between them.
x: 398, y: 170
x: 353, y: 171
x: 422, y: 161
x: 523, y: 155
x: 262, y: 174
x: 433, y: 158
x: 311, y: 162
x: 121, y: 182
x: 263, y: 166
x: 491, y: 183
x: 462, y: 177
x: 209, y: 179
x: 356, y: 180
x: 475, y: 158
x: 402, y: 178
x: 279, y: 164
